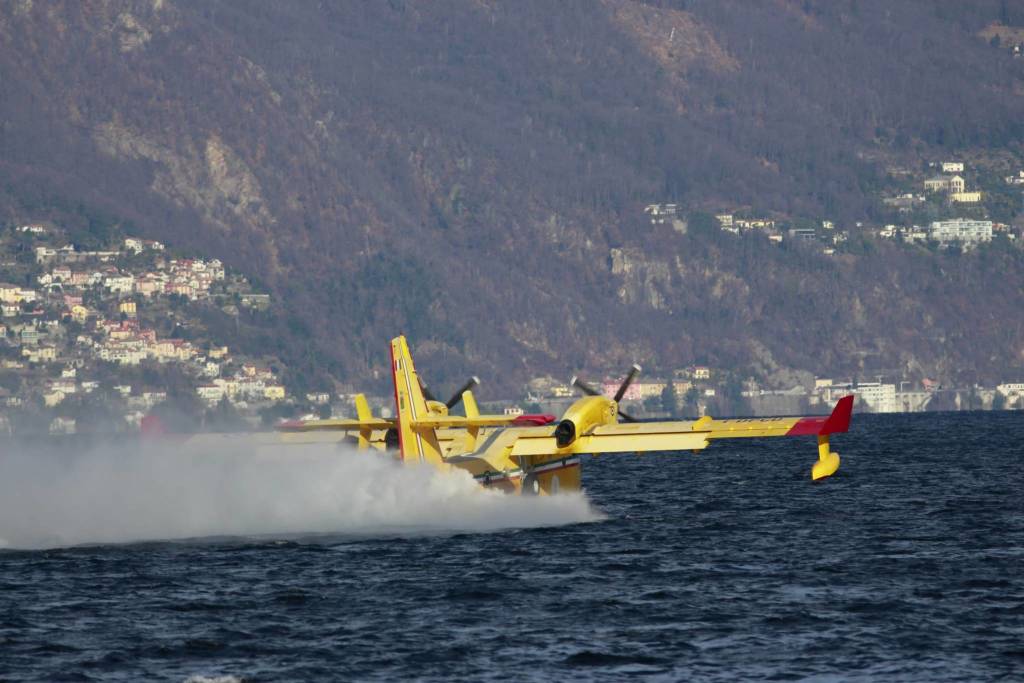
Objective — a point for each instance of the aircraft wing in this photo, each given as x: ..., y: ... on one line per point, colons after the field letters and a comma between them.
x: 836, y: 423
x: 624, y: 437
x: 638, y: 437
x: 341, y: 425
x: 448, y: 421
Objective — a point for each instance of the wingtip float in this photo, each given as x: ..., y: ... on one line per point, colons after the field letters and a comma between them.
x: 537, y: 454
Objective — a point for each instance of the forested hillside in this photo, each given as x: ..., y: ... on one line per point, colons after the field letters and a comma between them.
x: 473, y: 173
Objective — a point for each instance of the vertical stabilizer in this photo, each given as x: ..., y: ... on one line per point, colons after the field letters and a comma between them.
x: 415, y: 443
x: 472, y: 410
x: 469, y: 403
x: 363, y: 411
x: 365, y: 415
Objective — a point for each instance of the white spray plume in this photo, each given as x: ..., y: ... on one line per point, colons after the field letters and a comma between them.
x: 140, y: 491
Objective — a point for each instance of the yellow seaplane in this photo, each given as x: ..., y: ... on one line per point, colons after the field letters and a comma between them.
x: 537, y: 454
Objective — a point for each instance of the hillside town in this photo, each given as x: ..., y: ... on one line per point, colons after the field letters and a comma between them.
x: 113, y: 327
x: 942, y: 205
x: 110, y: 327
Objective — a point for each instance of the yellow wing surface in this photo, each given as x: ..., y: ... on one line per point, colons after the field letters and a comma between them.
x: 344, y: 425
x: 686, y: 435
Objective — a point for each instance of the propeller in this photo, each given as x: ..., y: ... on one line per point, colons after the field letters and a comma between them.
x: 634, y: 370
x: 427, y: 393
x: 591, y: 391
x: 456, y: 397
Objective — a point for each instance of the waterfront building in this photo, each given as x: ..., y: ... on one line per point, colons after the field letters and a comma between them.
x: 880, y: 398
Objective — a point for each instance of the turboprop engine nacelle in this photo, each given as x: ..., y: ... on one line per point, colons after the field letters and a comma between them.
x: 583, y: 416
x: 437, y: 408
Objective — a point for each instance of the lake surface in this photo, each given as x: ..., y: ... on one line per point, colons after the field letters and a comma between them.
x: 723, y: 565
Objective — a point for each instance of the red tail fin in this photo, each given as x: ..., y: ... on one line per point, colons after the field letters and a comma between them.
x: 839, y: 421
x: 836, y: 423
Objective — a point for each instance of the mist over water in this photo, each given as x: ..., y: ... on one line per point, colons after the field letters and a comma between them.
x: 140, y: 491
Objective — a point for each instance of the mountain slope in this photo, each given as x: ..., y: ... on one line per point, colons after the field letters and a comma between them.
x: 462, y: 171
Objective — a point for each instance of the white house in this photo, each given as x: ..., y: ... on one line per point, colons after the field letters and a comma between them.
x: 211, y: 393
x: 44, y: 254
x: 120, y: 284
x: 962, y: 230
x: 133, y: 244
x: 62, y: 425
x: 965, y: 197
x: 880, y: 398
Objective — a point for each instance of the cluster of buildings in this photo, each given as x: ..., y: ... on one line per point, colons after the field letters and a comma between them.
x: 697, y: 387
x: 1012, y: 394
x: 949, y: 183
x: 952, y: 184
x: 826, y: 234
x: 136, y: 403
x: 1015, y: 179
x: 12, y: 296
x: 56, y: 391
x: 906, y: 202
x: 70, y: 269
x: 693, y: 382
x: 729, y: 223
x: 966, y: 232
x: 84, y: 308
x: 665, y: 214
x: 250, y: 383
x: 897, y: 397
x: 127, y: 343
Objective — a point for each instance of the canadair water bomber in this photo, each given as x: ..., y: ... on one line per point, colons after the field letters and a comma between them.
x: 539, y: 454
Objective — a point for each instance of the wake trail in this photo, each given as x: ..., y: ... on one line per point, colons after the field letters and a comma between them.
x: 118, y: 493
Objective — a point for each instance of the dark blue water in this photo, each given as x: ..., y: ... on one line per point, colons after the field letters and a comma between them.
x: 725, y: 565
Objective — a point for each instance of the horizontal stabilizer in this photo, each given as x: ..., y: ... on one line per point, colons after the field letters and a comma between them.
x: 339, y: 425
x: 448, y: 421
